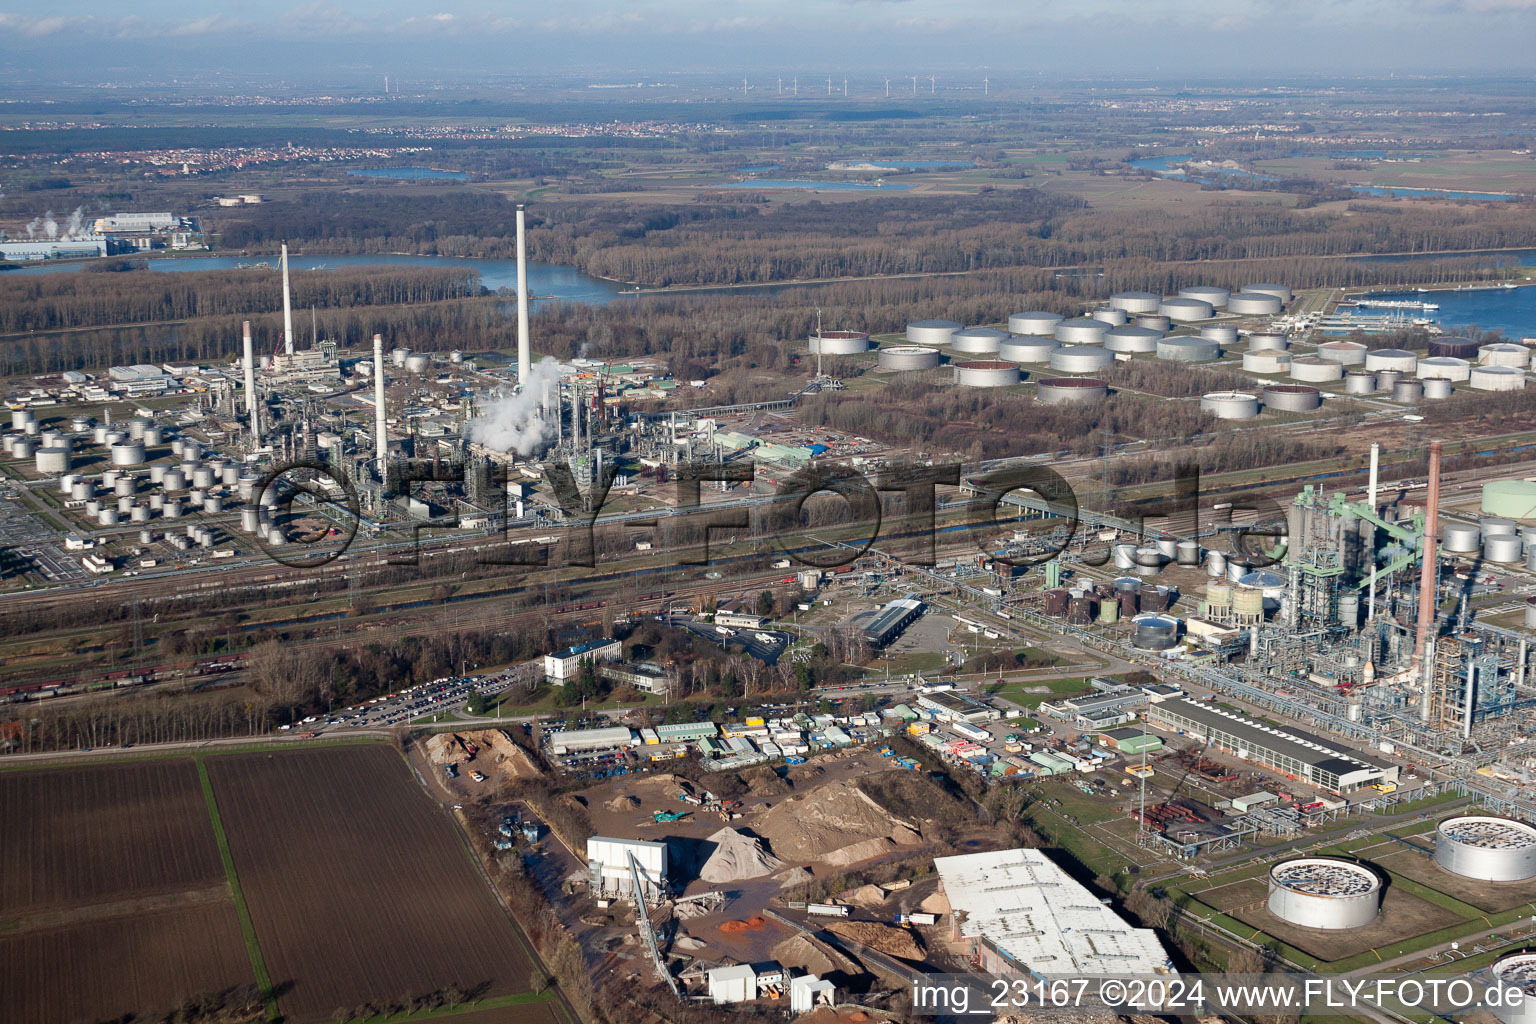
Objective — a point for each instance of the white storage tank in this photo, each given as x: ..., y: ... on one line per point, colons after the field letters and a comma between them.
x: 157, y: 473
x: 1215, y: 297
x: 1081, y: 359
x: 1514, y: 977
x: 1345, y: 353
x: 20, y: 418
x: 1505, y: 354
x: 1268, y: 341
x: 415, y: 363
x: 980, y: 341
x: 1185, y: 309
x: 52, y: 461
x: 1407, y: 391
x: 1279, y: 291
x: 153, y: 436
x: 908, y: 357
x: 1154, y: 322
x: 139, y: 514
x: 1328, y: 893
x: 1386, y: 380
x: 157, y: 501
x: 1460, y: 538
x: 67, y: 483
x: 1496, y: 378
x: 124, y: 506
x: 125, y: 485
x: 1152, y: 632
x: 1027, y: 350
x: 1358, y: 382
x: 213, y: 505
x: 1436, y: 388
x: 250, y: 518
x: 202, y: 477
x: 839, y: 343
x: 1266, y: 362
x: 1188, y: 350
x: 1504, y: 549
x: 1034, y: 322
x: 1113, y: 317
x: 936, y: 333
x: 1135, y: 302
x: 1444, y: 368
x: 128, y: 453
x: 1292, y: 397
x: 987, y: 373
x: 398, y: 356
x: 173, y: 480
x: 1399, y: 359
x: 1495, y: 525
x: 1230, y: 405
x: 1315, y: 369
x: 1083, y: 331
x: 1132, y: 340
x: 1071, y: 390
x: 1486, y: 848
x: 1221, y: 334
x: 107, y: 516
x: 81, y: 490
x: 1253, y: 304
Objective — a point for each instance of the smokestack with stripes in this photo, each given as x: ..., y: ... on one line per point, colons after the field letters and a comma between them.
x: 380, y: 438
x: 252, y: 408
x: 524, y: 353
x: 287, y: 307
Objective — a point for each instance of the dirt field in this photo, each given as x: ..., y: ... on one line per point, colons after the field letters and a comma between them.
x: 1402, y: 917
x: 359, y: 888
x: 1490, y: 897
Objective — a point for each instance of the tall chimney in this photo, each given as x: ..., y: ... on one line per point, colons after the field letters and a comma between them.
x: 524, y: 351
x: 1427, y: 586
x: 252, y: 408
x: 1370, y: 498
x: 380, y: 438
x: 287, y: 307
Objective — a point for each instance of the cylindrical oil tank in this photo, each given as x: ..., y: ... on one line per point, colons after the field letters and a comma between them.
x: 1109, y: 610
x: 109, y: 477
x: 22, y: 448
x: 398, y: 355
x: 1496, y: 378
x: 987, y: 373
x: 99, y: 433
x: 80, y: 424
x: 213, y: 504
x: 1315, y: 369
x: 1129, y: 600
x: 1152, y: 632
x: 1218, y: 596
x: 139, y: 514
x: 195, y: 497
x: 1253, y: 304
x: 250, y: 518
x: 1292, y: 397
x: 1034, y: 322
x: 128, y: 453
x: 839, y: 343
x: 1085, y: 330
x: 107, y: 516
x: 1266, y: 362
x: 1230, y: 405
x: 1221, y: 334
x: 1279, y: 291
x: 81, y: 490
x: 53, y: 439
x: 1497, y: 526
x: 114, y: 437
x: 932, y: 332
x: 1071, y: 390
x: 33, y: 429
x: 1135, y: 302
x: 1185, y: 309
x: 1188, y: 552
x: 1328, y: 893
x: 1514, y: 979
x: 153, y: 436
x: 1027, y: 350
x: 1444, y: 368
x: 1358, y: 382
x: 21, y: 417
x: 1407, y: 391
x: 1149, y: 560
x: 1453, y: 348
x: 52, y: 461
x: 1486, y: 848
x: 157, y: 502
x: 1399, y: 359
x: 1113, y: 317
x: 1503, y: 549
x: 908, y: 357
x: 137, y: 426
x: 202, y: 477
x: 246, y: 487
x: 125, y: 486
x: 67, y: 483
x: 191, y: 451
x: 124, y: 506
x: 456, y: 357
x: 1505, y: 354
x: 1386, y: 380
x: 157, y: 473
x: 1124, y: 555
x: 1080, y: 610
x: 173, y: 480
x: 1345, y: 353
x: 1216, y: 564
x: 1154, y: 598
x: 177, y: 445
x: 981, y: 341
x: 1436, y: 388
x: 93, y: 507
x: 1267, y: 341
x: 1188, y: 350
x: 1132, y: 339
x: 1154, y: 322
x: 1460, y: 538
x: 1167, y: 546
x: 1081, y: 359
x: 1056, y: 602
x: 1215, y: 297
x: 229, y: 476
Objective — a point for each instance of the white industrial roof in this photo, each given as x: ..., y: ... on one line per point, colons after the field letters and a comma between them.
x: 1034, y: 912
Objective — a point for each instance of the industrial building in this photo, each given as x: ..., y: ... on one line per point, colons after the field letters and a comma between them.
x: 614, y: 864
x: 734, y: 615
x: 889, y: 622
x: 1130, y: 741
x: 79, y: 247
x: 563, y: 665
x: 954, y: 706
x: 1024, y: 916
x: 1293, y: 753
x: 611, y: 738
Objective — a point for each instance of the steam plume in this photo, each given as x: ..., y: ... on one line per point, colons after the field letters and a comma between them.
x: 516, y: 422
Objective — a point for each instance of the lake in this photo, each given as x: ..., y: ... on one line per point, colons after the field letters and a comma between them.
x: 411, y: 173
x: 1511, y: 311
x: 773, y: 184
x: 551, y: 283
x: 898, y: 165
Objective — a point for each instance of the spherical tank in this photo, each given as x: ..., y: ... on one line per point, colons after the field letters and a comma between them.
x: 1186, y: 309
x: 1034, y: 322
x: 1487, y: 848
x: 1266, y: 362
x: 1132, y: 339
x: 839, y: 343
x: 1215, y: 297
x: 1399, y: 359
x: 1188, y: 350
x: 981, y: 341
x: 1113, y: 317
x: 1505, y: 354
x: 932, y: 332
x: 1324, y: 892
x: 1071, y: 391
x: 1154, y: 632
x: 1503, y: 549
x: 1135, y: 302
x: 128, y: 453
x: 1315, y: 370
x: 1230, y: 405
x: 1345, y: 353
x: 1444, y: 368
x: 1436, y: 388
x: 1454, y: 348
x: 1154, y: 322
x: 1085, y: 330
x: 1496, y: 378
x: 1267, y: 341
x: 1027, y: 350
x: 1081, y: 359
x: 1279, y: 291
x: 1292, y: 397
x: 1460, y: 538
x: 1253, y: 304
x: 52, y: 461
x: 908, y: 357
x: 1221, y: 334
x: 1514, y: 978
x: 987, y: 373
x: 1359, y: 383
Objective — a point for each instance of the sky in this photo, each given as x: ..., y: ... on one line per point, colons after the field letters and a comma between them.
x: 458, y: 39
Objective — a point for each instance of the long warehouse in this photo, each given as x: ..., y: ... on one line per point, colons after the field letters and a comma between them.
x: 1297, y: 754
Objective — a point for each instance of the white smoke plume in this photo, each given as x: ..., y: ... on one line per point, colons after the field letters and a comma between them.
x: 50, y: 227
x: 518, y: 422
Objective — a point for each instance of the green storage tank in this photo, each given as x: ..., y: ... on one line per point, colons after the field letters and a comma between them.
x: 1511, y: 499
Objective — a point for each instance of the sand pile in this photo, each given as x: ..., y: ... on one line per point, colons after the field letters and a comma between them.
x: 505, y: 754
x: 765, y: 782
x: 623, y: 802
x: 688, y: 942
x: 864, y: 896
x: 737, y: 856
x: 853, y: 853
x: 751, y: 924
x: 935, y: 903
x: 888, y: 939
x: 813, y: 956
x: 832, y: 818
x: 442, y: 748
x: 793, y: 877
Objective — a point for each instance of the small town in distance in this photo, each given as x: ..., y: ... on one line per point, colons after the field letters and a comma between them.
x: 804, y: 537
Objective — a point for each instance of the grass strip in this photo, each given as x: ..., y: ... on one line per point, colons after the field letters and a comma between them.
x: 473, y: 1006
